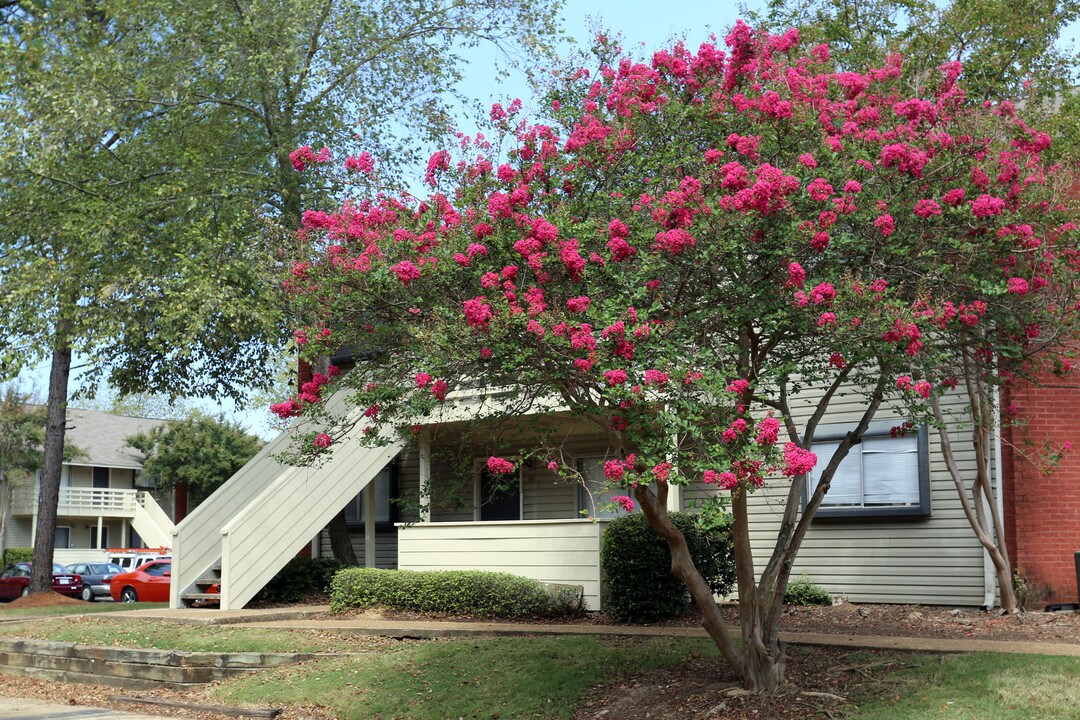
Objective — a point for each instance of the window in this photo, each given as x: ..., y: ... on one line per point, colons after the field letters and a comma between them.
x: 594, y: 499
x: 157, y: 569
x: 62, y: 537
x: 498, y: 497
x: 383, y: 484
x: 881, y: 476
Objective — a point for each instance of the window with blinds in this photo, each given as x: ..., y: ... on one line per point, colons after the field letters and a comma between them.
x: 883, y: 475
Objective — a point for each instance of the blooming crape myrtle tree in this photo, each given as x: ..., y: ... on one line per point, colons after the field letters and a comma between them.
x: 1027, y: 328
x: 675, y: 257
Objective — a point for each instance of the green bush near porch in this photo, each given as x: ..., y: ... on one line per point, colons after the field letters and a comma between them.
x: 636, y: 561
x: 458, y: 592
x: 16, y: 554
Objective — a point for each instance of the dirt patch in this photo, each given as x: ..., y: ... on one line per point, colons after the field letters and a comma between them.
x: 43, y: 599
x: 821, y: 683
x: 932, y: 622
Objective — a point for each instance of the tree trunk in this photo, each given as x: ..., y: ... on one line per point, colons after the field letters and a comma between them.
x: 52, y: 466
x: 1006, y: 589
x: 5, y: 503
x: 682, y: 566
x: 340, y: 542
x: 763, y: 659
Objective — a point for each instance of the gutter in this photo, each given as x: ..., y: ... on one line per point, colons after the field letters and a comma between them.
x: 989, y: 575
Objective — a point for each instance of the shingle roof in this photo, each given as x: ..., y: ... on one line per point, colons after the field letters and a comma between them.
x: 103, y: 437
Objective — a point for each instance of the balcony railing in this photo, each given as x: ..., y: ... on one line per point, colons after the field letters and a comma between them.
x: 79, y: 501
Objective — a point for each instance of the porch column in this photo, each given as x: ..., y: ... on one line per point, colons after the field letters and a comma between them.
x: 424, y: 468
x: 675, y: 492
x: 33, y: 526
x: 123, y: 533
x: 674, y: 498
x: 100, y: 545
x: 368, y: 500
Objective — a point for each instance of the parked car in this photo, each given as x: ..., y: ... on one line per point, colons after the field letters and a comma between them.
x: 15, y: 581
x: 96, y: 578
x: 147, y: 583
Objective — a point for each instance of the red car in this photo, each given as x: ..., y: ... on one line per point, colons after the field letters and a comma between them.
x: 146, y: 583
x: 15, y: 581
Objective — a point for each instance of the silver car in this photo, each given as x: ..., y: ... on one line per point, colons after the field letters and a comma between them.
x: 95, y: 578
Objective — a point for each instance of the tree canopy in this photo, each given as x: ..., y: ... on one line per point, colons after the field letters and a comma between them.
x: 200, y: 452
x: 698, y: 255
x: 144, y: 151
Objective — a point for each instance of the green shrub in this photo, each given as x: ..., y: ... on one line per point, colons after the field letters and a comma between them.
x: 636, y: 562
x: 300, y: 578
x: 804, y: 592
x: 17, y: 554
x: 461, y: 592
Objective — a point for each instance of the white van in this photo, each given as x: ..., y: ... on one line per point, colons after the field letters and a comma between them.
x: 131, y: 558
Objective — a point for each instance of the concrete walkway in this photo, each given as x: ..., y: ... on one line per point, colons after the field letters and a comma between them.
x: 12, y: 708
x: 304, y: 618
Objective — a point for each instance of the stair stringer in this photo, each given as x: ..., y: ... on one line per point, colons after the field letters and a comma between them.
x: 150, y: 521
x: 271, y: 529
x: 196, y: 540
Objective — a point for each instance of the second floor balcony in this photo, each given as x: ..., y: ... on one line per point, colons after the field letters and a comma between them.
x: 81, y: 502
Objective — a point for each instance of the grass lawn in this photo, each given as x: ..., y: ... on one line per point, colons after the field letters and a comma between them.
x: 81, y: 609
x: 167, y: 636
x: 540, y: 677
x: 548, y: 678
x: 982, y: 686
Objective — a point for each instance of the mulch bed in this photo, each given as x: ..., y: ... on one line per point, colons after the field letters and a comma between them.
x: 42, y: 599
x: 821, y: 683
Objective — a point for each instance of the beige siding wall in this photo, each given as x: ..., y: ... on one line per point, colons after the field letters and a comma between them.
x: 928, y: 560
x: 17, y: 532
x: 549, y: 551
x: 385, y: 547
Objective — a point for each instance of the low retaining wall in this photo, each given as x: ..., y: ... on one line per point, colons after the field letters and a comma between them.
x: 130, y: 668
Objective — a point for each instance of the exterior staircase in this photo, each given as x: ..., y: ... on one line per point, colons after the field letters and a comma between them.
x: 244, y: 533
x: 150, y: 521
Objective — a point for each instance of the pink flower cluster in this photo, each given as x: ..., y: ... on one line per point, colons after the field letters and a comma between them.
x: 614, y: 470
x: 304, y: 156
x: 797, y: 461
x: 499, y: 466
x: 725, y: 480
x: 626, y: 503
x: 322, y: 441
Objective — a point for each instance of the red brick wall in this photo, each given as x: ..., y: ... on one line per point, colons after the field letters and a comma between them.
x: 1042, y: 511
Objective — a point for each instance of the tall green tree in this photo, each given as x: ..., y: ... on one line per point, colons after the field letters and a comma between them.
x: 22, y: 432
x: 1010, y: 49
x: 199, y: 454
x: 145, y: 152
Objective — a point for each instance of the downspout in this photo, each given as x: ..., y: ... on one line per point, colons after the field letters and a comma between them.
x: 989, y: 574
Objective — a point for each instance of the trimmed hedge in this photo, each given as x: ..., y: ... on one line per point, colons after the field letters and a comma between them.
x: 17, y: 554
x: 636, y: 562
x: 460, y: 592
x: 299, y: 578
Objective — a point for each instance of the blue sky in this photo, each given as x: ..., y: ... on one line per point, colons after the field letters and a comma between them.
x: 647, y: 24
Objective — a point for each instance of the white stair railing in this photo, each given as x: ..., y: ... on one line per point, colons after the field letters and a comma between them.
x: 197, y: 540
x: 277, y: 524
x: 150, y: 521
